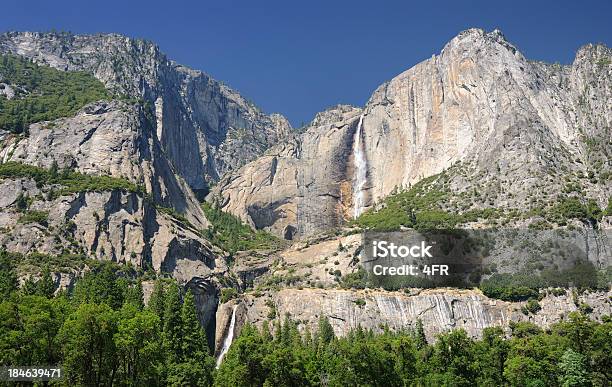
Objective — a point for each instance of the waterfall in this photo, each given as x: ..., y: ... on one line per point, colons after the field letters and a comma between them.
x: 229, y: 338
x: 360, y: 174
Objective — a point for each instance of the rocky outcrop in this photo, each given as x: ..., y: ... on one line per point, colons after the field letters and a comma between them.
x: 520, y: 130
x: 204, y: 127
x: 110, y: 225
x: 107, y: 138
x: 440, y: 310
x: 310, y: 279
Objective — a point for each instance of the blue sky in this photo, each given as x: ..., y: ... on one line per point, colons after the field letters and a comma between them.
x: 299, y: 57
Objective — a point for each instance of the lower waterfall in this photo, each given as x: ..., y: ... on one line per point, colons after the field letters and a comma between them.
x: 360, y: 174
x: 229, y: 338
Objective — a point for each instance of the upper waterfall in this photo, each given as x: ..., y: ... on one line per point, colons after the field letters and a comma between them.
x: 360, y: 174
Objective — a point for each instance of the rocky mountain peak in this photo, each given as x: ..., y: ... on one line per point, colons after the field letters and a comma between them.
x: 476, y: 42
x: 511, y: 122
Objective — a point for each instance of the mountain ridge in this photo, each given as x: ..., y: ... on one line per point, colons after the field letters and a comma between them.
x: 197, y: 117
x: 480, y: 101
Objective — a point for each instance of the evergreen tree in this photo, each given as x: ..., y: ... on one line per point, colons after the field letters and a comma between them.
x: 196, y: 366
x: 45, y: 286
x: 134, y: 295
x: 22, y: 202
x: 265, y: 332
x: 419, y: 335
x: 53, y: 171
x: 326, y: 331
x: 8, y: 278
x: 157, y: 301
x: 173, y: 330
x: 194, y: 337
x: 100, y: 286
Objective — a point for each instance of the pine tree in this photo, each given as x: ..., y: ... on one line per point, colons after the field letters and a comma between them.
x: 134, y: 295
x: 173, y: 330
x: 8, y: 278
x: 194, y: 338
x: 45, y: 286
x: 157, y: 302
x: 419, y: 335
x: 53, y: 171
x: 22, y: 202
x: 194, y: 366
x: 265, y: 332
x: 326, y: 331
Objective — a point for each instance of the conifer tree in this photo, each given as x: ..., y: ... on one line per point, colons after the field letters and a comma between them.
x: 194, y: 337
x: 326, y: 331
x: 173, y: 329
x: 157, y: 302
x: 45, y: 286
x: 134, y: 295
x: 419, y: 335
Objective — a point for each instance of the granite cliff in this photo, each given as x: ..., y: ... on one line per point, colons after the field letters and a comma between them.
x: 508, y: 132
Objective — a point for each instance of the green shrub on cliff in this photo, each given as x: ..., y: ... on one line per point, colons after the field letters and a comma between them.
x: 40, y: 217
x: 228, y: 232
x: 69, y: 181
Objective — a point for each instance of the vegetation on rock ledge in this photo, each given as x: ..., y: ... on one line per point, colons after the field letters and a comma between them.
x: 229, y: 233
x: 42, y: 93
x: 69, y: 181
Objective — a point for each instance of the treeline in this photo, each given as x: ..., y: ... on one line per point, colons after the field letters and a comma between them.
x: 101, y: 332
x: 575, y: 352
x: 43, y: 93
x: 523, y: 285
x: 520, y: 286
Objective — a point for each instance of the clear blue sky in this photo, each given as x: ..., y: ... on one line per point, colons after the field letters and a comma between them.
x: 299, y: 57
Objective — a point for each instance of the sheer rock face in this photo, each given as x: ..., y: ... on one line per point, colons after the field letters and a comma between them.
x: 107, y: 138
x: 293, y: 189
x: 116, y: 139
x: 184, y: 132
x: 204, y: 127
x: 509, y: 120
x: 440, y: 310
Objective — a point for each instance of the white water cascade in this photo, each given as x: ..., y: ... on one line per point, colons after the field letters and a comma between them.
x: 229, y: 338
x: 360, y: 174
